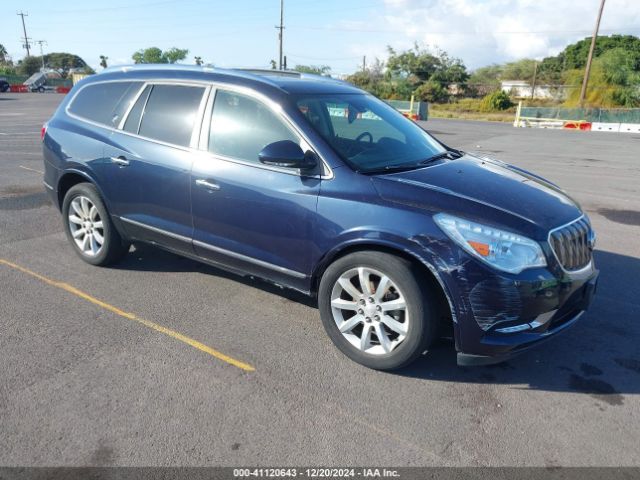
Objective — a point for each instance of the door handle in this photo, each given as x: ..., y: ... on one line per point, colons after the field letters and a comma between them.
x: 122, y: 161
x: 201, y: 182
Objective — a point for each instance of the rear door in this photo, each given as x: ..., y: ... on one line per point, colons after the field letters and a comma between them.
x: 150, y: 158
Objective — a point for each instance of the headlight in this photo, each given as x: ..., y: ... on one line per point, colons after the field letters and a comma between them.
x: 502, y: 250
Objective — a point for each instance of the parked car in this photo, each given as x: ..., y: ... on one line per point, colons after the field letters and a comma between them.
x: 315, y: 185
x: 4, y: 85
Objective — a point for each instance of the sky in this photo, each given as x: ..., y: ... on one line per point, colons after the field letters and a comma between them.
x: 319, y: 32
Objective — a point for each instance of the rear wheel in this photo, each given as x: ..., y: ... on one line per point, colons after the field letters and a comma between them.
x: 376, y: 309
x: 89, y: 227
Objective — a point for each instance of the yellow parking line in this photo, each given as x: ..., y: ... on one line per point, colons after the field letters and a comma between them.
x: 130, y: 316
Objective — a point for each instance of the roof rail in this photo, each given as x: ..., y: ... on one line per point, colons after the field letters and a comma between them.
x: 269, y: 72
x: 156, y: 66
x: 265, y: 72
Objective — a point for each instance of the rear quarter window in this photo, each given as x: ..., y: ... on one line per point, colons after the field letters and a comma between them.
x: 104, y: 103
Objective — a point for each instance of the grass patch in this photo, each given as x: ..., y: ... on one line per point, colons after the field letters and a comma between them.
x: 471, y: 109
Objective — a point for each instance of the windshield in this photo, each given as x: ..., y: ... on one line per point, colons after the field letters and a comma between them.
x: 367, y: 133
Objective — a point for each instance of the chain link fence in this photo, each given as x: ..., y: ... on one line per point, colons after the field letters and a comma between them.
x: 600, y: 115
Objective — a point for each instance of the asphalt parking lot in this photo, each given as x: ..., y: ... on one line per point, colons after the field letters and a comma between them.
x: 82, y: 384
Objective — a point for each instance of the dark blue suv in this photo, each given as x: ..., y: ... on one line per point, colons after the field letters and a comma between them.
x: 315, y: 185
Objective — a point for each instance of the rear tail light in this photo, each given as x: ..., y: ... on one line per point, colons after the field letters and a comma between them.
x: 43, y: 132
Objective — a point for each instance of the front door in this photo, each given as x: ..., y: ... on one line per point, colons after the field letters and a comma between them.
x: 246, y: 215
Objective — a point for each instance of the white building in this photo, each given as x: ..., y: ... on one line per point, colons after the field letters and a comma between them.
x: 522, y: 89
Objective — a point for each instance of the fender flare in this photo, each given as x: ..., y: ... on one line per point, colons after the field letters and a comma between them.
x: 363, y: 243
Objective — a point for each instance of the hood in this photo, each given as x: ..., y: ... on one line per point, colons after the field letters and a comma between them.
x: 482, y: 189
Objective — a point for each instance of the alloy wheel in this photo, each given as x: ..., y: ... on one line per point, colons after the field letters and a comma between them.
x: 369, y: 310
x: 86, y: 226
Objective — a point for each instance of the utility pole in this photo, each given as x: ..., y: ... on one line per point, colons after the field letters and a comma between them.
x: 364, y: 63
x: 24, y: 29
x: 281, y: 28
x: 41, y: 42
x: 535, y: 74
x: 587, y: 69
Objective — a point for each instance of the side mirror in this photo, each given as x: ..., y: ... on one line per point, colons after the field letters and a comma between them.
x: 352, y: 114
x: 288, y: 154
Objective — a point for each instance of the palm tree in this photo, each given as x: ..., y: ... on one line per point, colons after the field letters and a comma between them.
x: 3, y: 54
x: 198, y: 60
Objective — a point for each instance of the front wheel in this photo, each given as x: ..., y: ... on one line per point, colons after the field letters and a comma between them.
x: 89, y: 228
x: 376, y: 309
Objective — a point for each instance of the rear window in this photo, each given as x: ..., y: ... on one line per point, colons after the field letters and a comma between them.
x: 105, y: 103
x: 170, y: 113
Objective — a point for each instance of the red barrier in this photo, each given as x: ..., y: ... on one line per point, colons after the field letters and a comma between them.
x: 577, y: 125
x: 412, y: 116
x: 18, y: 88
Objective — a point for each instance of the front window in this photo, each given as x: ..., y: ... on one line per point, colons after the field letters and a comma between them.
x: 367, y: 133
x: 242, y: 126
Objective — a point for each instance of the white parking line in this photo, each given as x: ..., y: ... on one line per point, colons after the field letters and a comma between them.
x: 24, y: 153
x: 31, y: 134
x: 31, y: 169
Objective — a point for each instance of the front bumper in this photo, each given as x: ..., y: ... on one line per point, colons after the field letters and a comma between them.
x: 497, y: 315
x: 506, y: 339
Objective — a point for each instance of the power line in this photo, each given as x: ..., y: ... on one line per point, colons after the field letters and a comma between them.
x: 471, y: 33
x: 24, y: 29
x: 305, y: 57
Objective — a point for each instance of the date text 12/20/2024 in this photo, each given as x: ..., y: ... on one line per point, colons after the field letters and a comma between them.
x: 315, y: 472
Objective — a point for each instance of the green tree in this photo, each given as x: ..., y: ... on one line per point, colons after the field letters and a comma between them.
x: 314, y: 69
x: 174, y: 55
x: 419, y: 65
x: 575, y: 55
x: 3, y: 55
x: 449, y: 70
x: 552, y: 69
x: 416, y: 64
x: 64, y: 62
x: 614, y: 81
x: 486, y: 78
x: 149, y: 55
x: 519, y: 70
x: 29, y: 65
x: 156, y: 55
x: 432, y: 91
x: 103, y: 61
x: 498, y: 100
x: 273, y: 64
x: 198, y: 60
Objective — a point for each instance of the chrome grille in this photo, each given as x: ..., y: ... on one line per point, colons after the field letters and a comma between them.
x: 572, y: 244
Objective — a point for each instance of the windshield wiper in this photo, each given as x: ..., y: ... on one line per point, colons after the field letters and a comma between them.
x: 450, y: 154
x: 403, y: 167
x: 393, y: 168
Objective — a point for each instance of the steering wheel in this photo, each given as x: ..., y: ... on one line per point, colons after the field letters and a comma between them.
x: 364, y: 134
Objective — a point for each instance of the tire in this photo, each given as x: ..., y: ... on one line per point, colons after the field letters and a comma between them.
x: 409, y: 331
x: 79, y: 216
